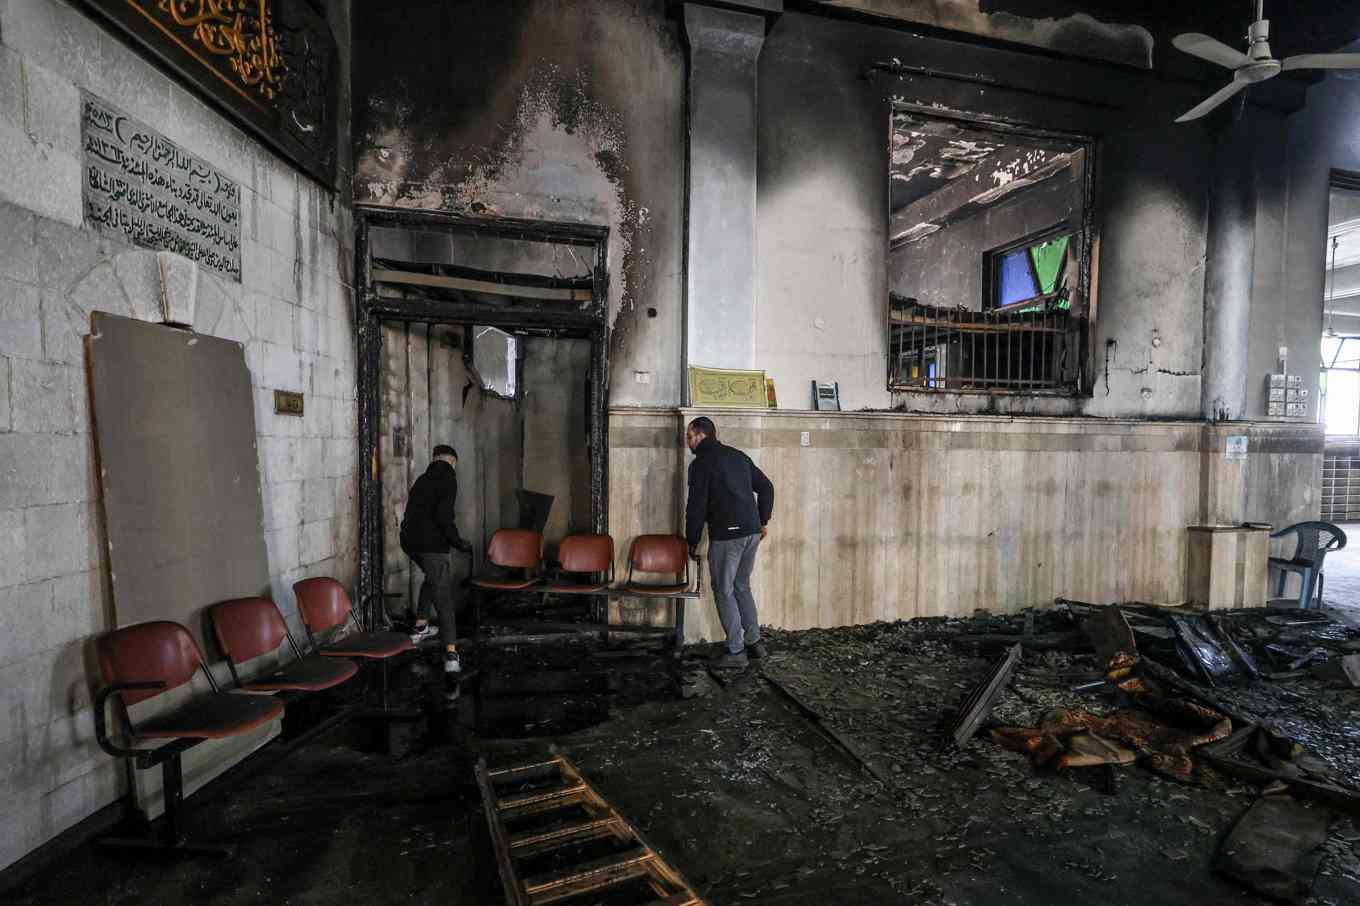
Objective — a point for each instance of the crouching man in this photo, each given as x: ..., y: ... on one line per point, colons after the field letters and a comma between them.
x: 735, y: 499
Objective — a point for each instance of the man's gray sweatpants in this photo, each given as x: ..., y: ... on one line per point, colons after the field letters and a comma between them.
x: 731, y: 563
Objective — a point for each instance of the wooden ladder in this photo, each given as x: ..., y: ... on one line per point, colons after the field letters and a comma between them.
x: 560, y: 812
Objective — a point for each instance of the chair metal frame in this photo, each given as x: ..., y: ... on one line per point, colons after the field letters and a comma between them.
x: 174, y: 835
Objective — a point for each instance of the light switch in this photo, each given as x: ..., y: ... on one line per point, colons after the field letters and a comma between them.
x: 642, y: 377
x: 805, y: 439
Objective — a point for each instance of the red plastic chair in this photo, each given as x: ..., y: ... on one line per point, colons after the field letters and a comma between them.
x: 588, y: 556
x: 247, y: 628
x: 324, y: 607
x: 667, y: 554
x: 142, y: 661
x: 510, y: 549
x: 513, y: 549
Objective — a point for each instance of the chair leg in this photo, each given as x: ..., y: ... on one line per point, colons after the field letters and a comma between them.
x: 1305, y: 588
x: 174, y: 835
x: 1279, y: 587
x: 1320, y: 580
x: 679, y: 623
x: 384, y: 684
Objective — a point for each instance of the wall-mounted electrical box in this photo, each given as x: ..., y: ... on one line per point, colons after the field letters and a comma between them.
x: 1286, y: 396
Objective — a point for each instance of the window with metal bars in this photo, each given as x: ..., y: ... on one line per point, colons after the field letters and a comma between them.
x: 989, y: 257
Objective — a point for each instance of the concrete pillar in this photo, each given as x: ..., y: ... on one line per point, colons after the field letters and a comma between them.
x: 720, y: 314
x: 1231, y: 251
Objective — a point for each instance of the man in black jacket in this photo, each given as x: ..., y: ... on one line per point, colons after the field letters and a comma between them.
x: 428, y: 533
x: 729, y: 493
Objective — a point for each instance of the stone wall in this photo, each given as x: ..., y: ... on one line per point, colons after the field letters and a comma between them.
x: 292, y: 311
x: 886, y: 517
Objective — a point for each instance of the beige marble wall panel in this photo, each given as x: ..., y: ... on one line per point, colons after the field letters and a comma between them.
x: 887, y: 516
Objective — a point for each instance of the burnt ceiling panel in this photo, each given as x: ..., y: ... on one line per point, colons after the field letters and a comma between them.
x: 1131, y: 32
x: 929, y: 153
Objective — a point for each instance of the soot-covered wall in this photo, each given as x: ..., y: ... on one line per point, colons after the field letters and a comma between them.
x: 566, y: 111
x: 576, y: 111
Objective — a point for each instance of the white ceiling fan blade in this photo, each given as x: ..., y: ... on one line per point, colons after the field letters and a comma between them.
x: 1323, y: 61
x: 1212, y: 101
x: 1211, y: 49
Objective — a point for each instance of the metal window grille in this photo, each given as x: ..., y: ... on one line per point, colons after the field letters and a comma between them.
x: 1029, y: 348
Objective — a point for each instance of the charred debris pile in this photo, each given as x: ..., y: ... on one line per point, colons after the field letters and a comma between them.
x: 1265, y: 697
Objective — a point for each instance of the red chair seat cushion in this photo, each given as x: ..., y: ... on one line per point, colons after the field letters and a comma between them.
x: 213, y: 716
x: 656, y: 591
x: 577, y: 588
x: 369, y: 644
x: 503, y: 584
x: 310, y: 674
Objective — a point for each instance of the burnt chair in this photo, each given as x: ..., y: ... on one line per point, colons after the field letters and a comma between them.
x: 510, y: 549
x: 663, y: 554
x: 247, y: 628
x: 142, y: 661
x: 324, y: 606
x: 587, y: 556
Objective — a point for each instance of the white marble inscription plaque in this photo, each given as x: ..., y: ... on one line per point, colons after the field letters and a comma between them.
x: 142, y: 188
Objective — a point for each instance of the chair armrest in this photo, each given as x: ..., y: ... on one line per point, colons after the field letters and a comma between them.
x: 1291, y: 530
x: 100, y: 728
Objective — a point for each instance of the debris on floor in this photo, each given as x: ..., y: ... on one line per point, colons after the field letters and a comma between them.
x: 1276, y: 847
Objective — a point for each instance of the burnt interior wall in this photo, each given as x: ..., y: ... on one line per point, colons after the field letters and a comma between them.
x: 824, y: 204
x: 566, y: 111
x: 430, y: 396
x: 575, y: 111
x: 556, y: 458
x: 946, y: 267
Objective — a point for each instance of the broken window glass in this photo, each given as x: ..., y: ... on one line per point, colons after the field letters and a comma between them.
x: 495, y: 356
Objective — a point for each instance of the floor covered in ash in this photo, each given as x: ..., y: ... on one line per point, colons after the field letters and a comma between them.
x: 815, y: 776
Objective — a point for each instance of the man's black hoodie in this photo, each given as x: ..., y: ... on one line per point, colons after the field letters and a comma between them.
x: 727, y: 491
x: 428, y: 527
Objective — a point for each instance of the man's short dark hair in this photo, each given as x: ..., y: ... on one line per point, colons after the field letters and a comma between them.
x: 444, y: 450
x: 704, y: 425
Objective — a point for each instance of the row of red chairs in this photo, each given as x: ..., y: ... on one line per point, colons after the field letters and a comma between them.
x: 591, y: 557
x: 142, y: 661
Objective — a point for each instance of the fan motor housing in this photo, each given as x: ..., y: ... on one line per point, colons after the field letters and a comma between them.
x: 1257, y: 72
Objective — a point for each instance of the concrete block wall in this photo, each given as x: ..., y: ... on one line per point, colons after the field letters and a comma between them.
x: 292, y: 311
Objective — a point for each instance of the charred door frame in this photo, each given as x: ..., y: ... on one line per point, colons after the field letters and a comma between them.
x: 372, y: 310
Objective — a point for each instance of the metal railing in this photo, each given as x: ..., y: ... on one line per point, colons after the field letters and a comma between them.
x: 1024, y: 348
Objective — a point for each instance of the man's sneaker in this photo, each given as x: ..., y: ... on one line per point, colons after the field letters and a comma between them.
x: 728, y: 661
x: 421, y: 633
x: 757, y: 650
x: 452, y: 663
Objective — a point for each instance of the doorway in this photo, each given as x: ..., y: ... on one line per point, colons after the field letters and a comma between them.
x: 488, y: 336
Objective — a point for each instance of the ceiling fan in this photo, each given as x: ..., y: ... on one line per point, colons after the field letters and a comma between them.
x: 1256, y: 65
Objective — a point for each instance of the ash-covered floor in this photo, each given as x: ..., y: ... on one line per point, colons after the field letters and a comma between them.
x: 816, y: 776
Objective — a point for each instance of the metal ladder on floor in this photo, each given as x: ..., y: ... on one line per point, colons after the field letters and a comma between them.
x: 562, y: 817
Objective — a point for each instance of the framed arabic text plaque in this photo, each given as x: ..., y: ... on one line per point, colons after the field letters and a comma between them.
x: 271, y: 64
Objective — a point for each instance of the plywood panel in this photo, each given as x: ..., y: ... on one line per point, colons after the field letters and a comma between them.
x: 175, y: 424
